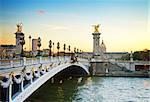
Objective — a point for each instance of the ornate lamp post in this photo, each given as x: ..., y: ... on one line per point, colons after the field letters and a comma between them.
x: 50, y: 46
x: 19, y: 39
x: 58, y: 47
x: 64, y: 49
x: 80, y: 51
x: 69, y: 49
x: 53, y: 49
x: 29, y: 43
x: 22, y: 42
x: 77, y: 50
x: 39, y: 45
x: 74, y: 49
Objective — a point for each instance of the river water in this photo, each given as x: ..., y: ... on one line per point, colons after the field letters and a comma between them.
x: 95, y: 89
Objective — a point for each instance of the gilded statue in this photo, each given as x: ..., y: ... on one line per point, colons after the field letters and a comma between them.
x: 19, y: 27
x: 96, y: 28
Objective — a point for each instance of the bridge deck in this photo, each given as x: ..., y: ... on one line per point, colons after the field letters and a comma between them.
x: 45, y: 68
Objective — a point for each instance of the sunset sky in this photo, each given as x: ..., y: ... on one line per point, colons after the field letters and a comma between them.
x: 124, y: 24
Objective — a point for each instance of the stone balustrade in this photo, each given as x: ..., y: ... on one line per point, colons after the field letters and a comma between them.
x: 32, y: 69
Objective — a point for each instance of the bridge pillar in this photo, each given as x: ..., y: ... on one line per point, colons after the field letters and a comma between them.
x: 94, y: 68
x: 132, y: 66
x: 99, y: 68
x: 96, y: 39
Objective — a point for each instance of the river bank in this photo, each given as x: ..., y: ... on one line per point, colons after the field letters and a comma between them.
x: 145, y: 74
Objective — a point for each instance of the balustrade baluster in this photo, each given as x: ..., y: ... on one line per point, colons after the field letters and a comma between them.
x: 24, y: 60
x: 40, y: 59
x: 11, y: 63
x: 32, y: 62
x: 31, y: 80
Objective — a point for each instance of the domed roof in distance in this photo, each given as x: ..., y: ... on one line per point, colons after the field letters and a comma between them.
x: 103, y: 45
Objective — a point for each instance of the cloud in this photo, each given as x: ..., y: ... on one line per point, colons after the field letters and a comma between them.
x: 40, y: 12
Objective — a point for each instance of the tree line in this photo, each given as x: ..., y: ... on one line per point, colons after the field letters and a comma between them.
x: 139, y: 55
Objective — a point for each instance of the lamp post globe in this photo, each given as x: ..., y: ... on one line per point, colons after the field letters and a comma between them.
x: 39, y: 45
x: 53, y: 49
x: 22, y: 42
x: 58, y: 47
x: 64, y: 48
x: 74, y: 49
x: 50, y: 46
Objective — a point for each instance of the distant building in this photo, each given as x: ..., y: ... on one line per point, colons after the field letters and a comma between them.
x: 34, y: 45
x: 100, y: 49
x: 103, y: 47
x: 7, y: 51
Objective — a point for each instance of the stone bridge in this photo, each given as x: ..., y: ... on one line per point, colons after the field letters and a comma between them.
x: 20, y: 79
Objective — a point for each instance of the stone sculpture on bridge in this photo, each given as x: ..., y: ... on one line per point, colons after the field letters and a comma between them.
x: 96, y: 28
x: 19, y: 27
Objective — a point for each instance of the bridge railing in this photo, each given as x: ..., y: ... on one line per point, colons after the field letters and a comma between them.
x: 84, y: 61
x: 4, y: 64
x: 30, y: 75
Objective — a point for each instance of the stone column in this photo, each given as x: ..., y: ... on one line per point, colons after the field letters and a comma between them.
x: 96, y: 44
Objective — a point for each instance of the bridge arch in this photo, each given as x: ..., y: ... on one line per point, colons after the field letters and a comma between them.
x: 74, y: 68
